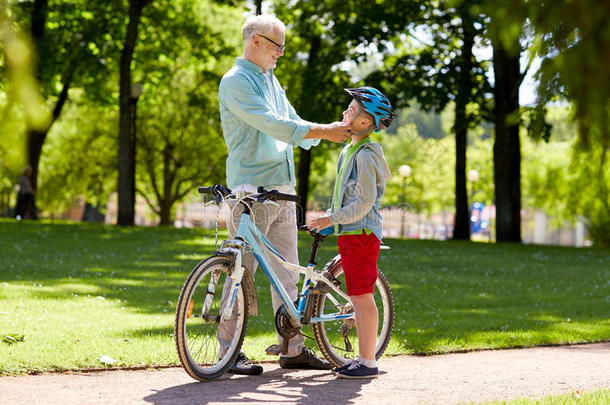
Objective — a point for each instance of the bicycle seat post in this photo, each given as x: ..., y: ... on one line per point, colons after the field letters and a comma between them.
x: 314, y: 248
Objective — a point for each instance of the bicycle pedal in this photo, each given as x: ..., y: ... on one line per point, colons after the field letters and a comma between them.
x: 273, y: 350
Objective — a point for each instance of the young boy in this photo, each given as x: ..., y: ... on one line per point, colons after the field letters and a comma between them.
x: 362, y: 173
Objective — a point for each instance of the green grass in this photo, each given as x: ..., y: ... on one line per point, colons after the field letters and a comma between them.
x: 76, y: 292
x: 597, y: 397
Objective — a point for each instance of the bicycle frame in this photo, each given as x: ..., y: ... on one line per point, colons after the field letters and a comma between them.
x: 249, y: 232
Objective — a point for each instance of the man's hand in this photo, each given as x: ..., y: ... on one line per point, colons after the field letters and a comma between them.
x: 319, y: 223
x: 339, y: 131
x: 335, y: 132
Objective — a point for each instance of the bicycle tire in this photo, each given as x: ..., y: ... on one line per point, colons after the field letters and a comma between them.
x: 197, y: 338
x: 329, y: 335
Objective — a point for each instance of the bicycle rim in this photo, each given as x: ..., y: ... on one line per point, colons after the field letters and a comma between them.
x: 338, y: 340
x: 197, y: 328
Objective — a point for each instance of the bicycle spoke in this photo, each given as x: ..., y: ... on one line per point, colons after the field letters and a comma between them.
x: 338, y: 340
x: 197, y: 337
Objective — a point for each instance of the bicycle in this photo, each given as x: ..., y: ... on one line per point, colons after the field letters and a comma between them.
x: 219, y: 290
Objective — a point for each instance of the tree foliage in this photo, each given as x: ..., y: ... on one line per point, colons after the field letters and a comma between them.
x: 69, y: 39
x: 79, y: 158
x: 575, y: 54
x: 417, y: 52
x: 181, y: 63
x: 21, y: 104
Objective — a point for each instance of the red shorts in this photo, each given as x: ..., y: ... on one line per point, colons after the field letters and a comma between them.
x: 359, y: 255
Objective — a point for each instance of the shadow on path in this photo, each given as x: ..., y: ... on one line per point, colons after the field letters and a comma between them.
x: 274, y: 387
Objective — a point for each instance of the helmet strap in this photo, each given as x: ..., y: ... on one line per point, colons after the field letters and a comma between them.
x: 367, y: 130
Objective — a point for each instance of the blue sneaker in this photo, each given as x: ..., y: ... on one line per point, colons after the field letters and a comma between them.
x: 357, y: 370
x: 344, y: 366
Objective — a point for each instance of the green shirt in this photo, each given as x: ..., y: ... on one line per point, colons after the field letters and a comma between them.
x: 346, y: 155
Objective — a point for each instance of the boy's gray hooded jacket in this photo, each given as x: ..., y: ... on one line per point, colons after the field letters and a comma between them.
x: 361, y: 191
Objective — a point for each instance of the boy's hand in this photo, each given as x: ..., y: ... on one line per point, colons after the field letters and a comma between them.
x: 319, y: 223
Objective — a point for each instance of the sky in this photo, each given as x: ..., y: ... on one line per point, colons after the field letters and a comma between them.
x: 527, y: 91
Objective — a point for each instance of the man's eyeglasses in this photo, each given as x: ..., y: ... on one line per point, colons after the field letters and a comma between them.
x: 280, y: 48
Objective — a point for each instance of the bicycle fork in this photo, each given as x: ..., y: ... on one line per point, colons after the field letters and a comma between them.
x: 234, y: 249
x: 235, y: 274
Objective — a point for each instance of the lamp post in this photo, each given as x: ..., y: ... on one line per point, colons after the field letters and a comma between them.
x: 473, y: 177
x: 404, y: 171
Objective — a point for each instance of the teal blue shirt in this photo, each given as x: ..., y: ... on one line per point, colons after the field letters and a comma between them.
x: 260, y: 127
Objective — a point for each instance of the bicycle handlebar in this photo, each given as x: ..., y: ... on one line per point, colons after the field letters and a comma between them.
x: 275, y: 195
x: 222, y: 192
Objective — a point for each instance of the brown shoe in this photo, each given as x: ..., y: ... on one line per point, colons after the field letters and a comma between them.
x: 306, y: 360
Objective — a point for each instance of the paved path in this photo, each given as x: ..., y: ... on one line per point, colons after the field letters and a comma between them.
x: 447, y: 379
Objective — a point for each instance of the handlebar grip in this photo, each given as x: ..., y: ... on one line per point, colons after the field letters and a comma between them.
x: 206, y: 190
x: 276, y: 195
x: 289, y: 197
x: 217, y: 190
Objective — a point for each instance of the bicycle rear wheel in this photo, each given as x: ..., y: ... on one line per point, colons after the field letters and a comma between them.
x: 198, y: 330
x: 338, y: 340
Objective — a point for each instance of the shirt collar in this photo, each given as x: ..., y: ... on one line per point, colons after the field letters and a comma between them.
x: 251, y: 66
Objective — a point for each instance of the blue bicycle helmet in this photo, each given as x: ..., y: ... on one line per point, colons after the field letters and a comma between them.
x: 374, y: 103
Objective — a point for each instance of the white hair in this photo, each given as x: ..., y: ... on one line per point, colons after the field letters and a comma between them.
x: 262, y: 24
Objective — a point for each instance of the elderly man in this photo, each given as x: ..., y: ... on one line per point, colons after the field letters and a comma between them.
x: 260, y: 129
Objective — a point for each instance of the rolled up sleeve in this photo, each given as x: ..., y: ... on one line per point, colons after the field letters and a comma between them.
x: 238, y: 97
x: 307, y: 143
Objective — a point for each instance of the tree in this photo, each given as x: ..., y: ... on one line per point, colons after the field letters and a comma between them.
x: 575, y: 54
x: 509, y: 36
x: 311, y: 84
x: 180, y: 147
x: 440, y: 70
x: 22, y: 105
x: 180, y: 142
x: 507, y: 151
x: 80, y: 157
x: 324, y: 36
x: 127, y: 142
x: 66, y: 37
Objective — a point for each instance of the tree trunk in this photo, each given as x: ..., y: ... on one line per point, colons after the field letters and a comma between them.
x: 38, y: 23
x: 127, y: 159
x: 165, y: 214
x: 507, y: 151
x: 37, y: 137
x: 307, y: 110
x: 462, y: 217
x: 166, y: 202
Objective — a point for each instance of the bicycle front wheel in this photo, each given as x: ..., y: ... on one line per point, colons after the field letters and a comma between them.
x: 338, y: 340
x: 207, y: 347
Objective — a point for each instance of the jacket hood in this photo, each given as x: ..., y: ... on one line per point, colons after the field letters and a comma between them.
x: 379, y: 152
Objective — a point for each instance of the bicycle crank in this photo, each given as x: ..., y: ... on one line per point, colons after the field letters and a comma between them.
x: 284, y: 327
